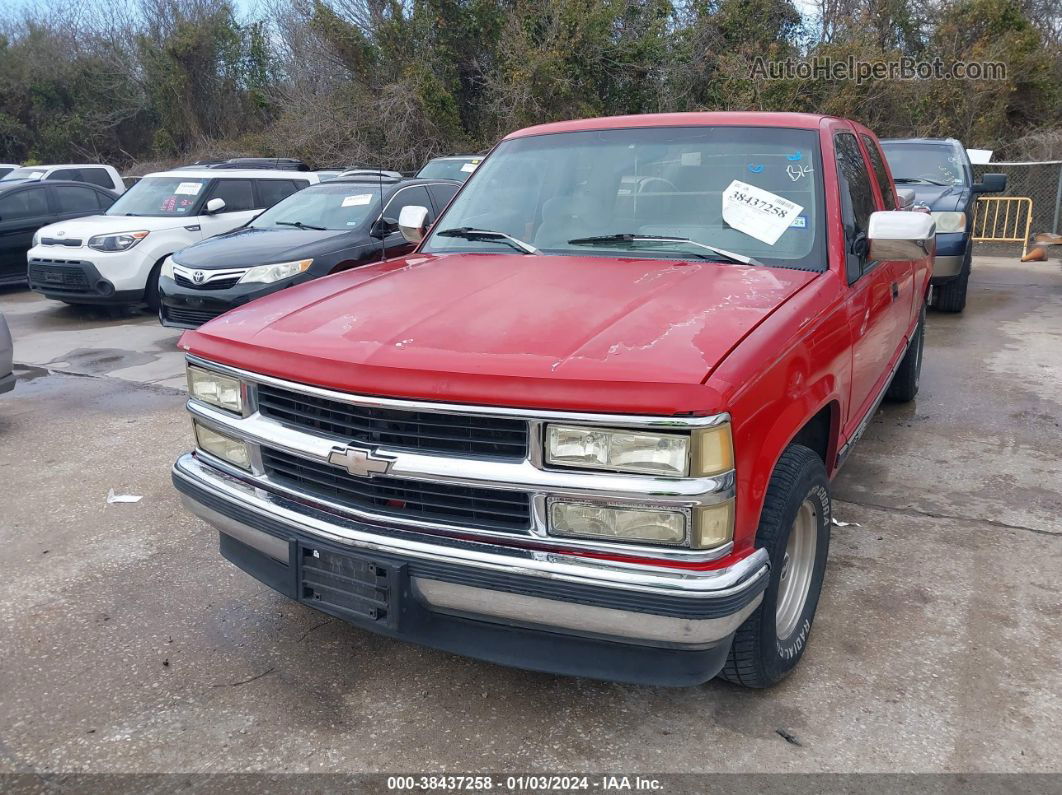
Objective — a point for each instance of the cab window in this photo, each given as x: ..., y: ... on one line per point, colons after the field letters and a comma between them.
x: 857, y: 202
x: 416, y: 196
x: 888, y: 196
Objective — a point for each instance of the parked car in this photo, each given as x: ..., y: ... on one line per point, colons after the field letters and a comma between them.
x: 278, y: 163
x: 7, y: 352
x: 25, y: 207
x: 453, y: 167
x: 115, y: 258
x: 589, y: 425
x: 328, y: 173
x: 323, y: 229
x: 938, y: 171
x: 92, y: 173
x: 7, y: 168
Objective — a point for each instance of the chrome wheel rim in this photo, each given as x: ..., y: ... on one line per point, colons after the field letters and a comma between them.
x: 798, y: 566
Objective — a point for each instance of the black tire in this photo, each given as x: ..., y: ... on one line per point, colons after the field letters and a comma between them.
x: 951, y: 296
x: 758, y: 657
x: 151, y: 289
x: 904, y: 384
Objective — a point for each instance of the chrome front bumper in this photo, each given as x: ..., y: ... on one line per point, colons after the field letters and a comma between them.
x: 482, y: 581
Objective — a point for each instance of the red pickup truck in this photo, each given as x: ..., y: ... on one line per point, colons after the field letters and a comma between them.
x: 589, y: 425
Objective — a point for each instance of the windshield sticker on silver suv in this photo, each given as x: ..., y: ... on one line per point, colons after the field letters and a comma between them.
x: 757, y: 212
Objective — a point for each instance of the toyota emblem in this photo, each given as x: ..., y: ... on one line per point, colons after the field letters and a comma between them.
x: 198, y: 277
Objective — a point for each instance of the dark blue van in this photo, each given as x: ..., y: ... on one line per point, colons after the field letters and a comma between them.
x: 938, y: 171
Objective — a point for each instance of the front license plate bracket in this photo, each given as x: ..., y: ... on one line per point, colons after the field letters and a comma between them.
x: 354, y: 587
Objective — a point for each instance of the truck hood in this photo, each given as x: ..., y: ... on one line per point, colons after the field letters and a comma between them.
x: 90, y: 225
x: 940, y: 198
x: 507, y: 329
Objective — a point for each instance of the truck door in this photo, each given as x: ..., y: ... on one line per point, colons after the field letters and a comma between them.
x: 874, y: 284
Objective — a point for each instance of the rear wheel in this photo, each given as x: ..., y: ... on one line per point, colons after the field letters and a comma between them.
x: 795, y: 531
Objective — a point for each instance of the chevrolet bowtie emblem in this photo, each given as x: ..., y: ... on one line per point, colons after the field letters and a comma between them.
x: 359, y: 462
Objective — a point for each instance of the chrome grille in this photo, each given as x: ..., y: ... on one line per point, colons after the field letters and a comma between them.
x: 492, y: 509
x: 423, y: 431
x: 216, y: 284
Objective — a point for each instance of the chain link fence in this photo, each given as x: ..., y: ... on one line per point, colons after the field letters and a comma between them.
x: 1041, y: 182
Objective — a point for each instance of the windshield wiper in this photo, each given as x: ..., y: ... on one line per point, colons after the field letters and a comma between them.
x: 299, y: 225
x: 909, y: 180
x: 469, y: 233
x: 627, y: 237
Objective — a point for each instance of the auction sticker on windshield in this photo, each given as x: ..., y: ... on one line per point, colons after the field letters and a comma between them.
x: 354, y: 201
x: 757, y: 212
x: 189, y: 188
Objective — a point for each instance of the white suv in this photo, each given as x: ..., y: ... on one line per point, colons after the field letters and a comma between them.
x: 93, y: 173
x: 115, y: 258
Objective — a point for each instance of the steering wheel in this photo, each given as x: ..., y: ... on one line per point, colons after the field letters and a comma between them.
x: 668, y: 184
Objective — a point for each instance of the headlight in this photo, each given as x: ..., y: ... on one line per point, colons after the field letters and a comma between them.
x: 267, y: 274
x: 703, y: 528
x: 223, y: 446
x: 121, y: 241
x: 706, y: 451
x: 167, y: 268
x: 36, y: 238
x: 219, y: 390
x: 644, y: 525
x: 950, y: 222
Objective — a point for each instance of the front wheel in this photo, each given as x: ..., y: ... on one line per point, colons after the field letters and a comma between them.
x: 795, y: 531
x: 151, y: 288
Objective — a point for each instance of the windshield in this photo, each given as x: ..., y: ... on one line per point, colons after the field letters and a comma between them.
x: 23, y: 173
x: 933, y: 164
x: 753, y: 191
x: 449, y: 168
x: 333, y: 205
x: 160, y: 196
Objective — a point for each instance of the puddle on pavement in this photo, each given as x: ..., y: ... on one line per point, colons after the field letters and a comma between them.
x: 99, y: 361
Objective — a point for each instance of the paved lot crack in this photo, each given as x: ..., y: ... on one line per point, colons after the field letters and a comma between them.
x: 246, y: 681
x: 915, y: 512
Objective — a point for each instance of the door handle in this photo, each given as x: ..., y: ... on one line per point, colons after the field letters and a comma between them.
x: 895, y: 291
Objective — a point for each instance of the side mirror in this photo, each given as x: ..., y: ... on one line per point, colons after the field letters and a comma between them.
x: 382, y: 227
x: 991, y: 183
x: 413, y: 223
x: 906, y: 197
x: 901, y: 235
x: 214, y: 206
